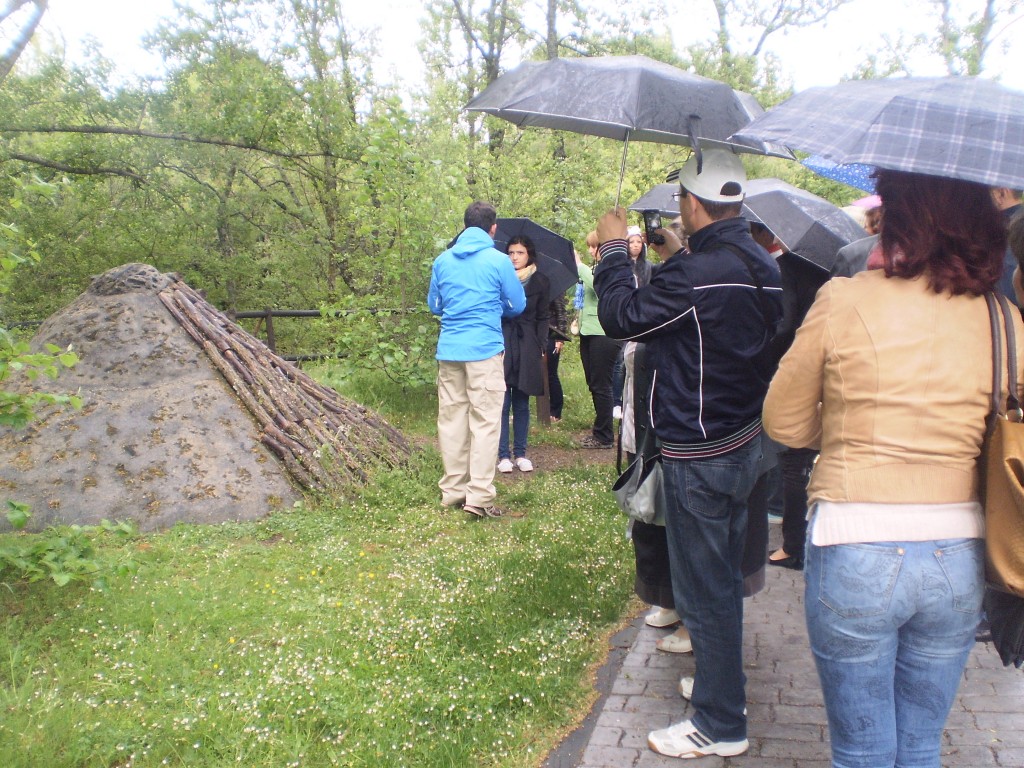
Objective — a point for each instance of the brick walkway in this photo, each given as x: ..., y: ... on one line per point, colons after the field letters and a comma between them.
x: 787, y: 723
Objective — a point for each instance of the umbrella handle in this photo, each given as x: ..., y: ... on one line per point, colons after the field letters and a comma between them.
x: 622, y: 169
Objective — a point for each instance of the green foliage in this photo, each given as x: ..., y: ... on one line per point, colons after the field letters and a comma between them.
x: 17, y: 360
x: 63, y: 554
x: 378, y: 632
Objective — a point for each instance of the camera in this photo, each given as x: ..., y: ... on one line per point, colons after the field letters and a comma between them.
x: 652, y: 222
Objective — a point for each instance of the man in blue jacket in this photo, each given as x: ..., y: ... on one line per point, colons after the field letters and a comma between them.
x: 707, y: 317
x: 472, y: 287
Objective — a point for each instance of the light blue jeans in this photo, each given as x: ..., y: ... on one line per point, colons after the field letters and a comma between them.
x: 891, y: 625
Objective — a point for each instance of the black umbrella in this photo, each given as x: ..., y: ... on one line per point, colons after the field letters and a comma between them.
x: 625, y: 98
x: 556, y: 258
x: 957, y: 127
x: 1005, y: 614
x: 659, y: 199
x: 806, y: 224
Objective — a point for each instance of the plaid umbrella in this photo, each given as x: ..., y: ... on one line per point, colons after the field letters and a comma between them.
x: 808, y: 225
x: 957, y: 127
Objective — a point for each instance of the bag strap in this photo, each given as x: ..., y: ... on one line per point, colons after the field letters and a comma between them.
x: 997, y: 362
x: 1012, y: 399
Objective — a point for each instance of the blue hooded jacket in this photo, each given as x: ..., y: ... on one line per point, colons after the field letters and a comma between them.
x: 472, y: 286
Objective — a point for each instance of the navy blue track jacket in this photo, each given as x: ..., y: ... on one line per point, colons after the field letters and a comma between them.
x: 703, y: 324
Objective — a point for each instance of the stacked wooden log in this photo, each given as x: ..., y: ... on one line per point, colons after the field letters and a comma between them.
x: 324, y: 441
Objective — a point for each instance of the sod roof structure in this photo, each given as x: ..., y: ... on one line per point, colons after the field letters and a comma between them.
x: 185, y: 417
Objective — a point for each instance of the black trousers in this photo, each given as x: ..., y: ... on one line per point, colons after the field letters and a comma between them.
x: 555, y: 397
x: 598, y: 354
x: 796, y: 464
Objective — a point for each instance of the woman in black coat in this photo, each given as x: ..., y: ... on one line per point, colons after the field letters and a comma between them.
x: 526, y: 338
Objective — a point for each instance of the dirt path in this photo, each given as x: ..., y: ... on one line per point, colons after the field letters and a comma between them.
x: 548, y: 458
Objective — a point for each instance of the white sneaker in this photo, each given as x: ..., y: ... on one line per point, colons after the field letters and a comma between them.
x: 524, y: 464
x: 686, y: 690
x: 505, y: 466
x: 662, y: 617
x: 677, y: 642
x: 686, y: 687
x: 685, y: 741
x: 617, y: 412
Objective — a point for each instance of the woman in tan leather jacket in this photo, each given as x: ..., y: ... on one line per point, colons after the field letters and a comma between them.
x: 890, y: 374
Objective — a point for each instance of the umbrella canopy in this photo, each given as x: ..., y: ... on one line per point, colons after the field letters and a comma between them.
x: 871, y: 201
x: 851, y: 174
x: 556, y: 258
x: 629, y: 98
x: 806, y: 224
x: 619, y: 97
x: 957, y: 127
x: 1005, y: 614
x: 659, y: 199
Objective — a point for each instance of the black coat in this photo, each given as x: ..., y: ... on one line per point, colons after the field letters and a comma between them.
x: 526, y: 339
x: 801, y: 280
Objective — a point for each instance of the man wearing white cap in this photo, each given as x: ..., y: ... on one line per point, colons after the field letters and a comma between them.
x: 707, y: 317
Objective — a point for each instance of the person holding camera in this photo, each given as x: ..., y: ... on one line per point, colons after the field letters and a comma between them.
x: 706, y: 318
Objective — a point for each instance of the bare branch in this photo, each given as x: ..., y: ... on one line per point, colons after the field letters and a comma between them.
x: 137, y: 133
x: 95, y: 170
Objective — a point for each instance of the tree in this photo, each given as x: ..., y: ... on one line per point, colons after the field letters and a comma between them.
x: 25, y: 24
x: 963, y: 37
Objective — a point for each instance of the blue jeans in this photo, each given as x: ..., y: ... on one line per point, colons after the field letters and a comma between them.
x: 891, y: 625
x: 519, y: 404
x: 706, y: 528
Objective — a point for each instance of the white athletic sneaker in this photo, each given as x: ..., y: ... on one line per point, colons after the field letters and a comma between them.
x: 617, y: 412
x: 505, y: 466
x: 523, y: 464
x: 685, y: 741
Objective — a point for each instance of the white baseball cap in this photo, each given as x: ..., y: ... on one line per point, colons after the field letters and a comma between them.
x: 721, y: 178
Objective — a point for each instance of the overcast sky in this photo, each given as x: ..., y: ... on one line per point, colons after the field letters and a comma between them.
x: 820, y: 56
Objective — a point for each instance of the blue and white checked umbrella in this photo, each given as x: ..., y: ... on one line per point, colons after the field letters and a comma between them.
x: 852, y: 174
x: 957, y: 127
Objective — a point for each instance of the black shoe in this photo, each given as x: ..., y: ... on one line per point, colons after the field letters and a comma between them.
x: 792, y: 562
x: 983, y: 634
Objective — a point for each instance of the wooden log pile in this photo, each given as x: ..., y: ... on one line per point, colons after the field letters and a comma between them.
x: 324, y: 441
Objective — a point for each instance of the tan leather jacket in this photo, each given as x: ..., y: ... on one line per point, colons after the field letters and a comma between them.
x: 892, y: 381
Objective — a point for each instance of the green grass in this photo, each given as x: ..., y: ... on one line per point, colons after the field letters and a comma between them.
x: 379, y: 631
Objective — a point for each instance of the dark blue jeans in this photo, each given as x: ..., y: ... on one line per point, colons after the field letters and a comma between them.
x: 519, y: 404
x: 706, y: 526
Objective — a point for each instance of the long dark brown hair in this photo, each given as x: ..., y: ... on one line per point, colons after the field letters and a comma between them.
x: 946, y: 229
